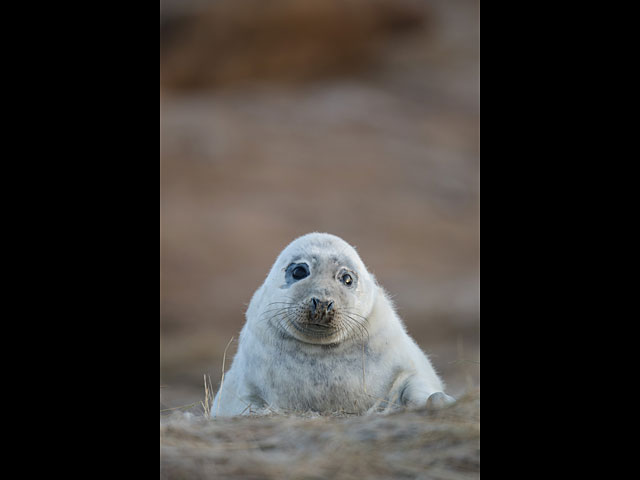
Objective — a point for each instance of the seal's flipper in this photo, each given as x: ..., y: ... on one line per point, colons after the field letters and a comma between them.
x: 439, y: 400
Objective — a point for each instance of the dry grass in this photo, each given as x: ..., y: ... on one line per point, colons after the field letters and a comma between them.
x: 408, y: 444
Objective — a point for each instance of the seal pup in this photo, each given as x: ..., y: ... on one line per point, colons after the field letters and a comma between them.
x: 321, y: 335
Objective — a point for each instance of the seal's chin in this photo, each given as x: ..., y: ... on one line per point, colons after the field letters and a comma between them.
x: 314, y: 333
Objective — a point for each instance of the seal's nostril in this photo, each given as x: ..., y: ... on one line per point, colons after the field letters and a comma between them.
x: 329, y: 306
x: 314, y: 304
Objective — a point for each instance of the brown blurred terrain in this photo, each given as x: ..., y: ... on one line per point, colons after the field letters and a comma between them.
x: 278, y: 118
x: 228, y: 42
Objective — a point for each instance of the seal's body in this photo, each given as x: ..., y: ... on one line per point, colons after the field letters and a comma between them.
x: 321, y: 335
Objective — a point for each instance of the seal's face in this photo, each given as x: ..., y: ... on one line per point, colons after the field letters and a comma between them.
x: 318, y: 291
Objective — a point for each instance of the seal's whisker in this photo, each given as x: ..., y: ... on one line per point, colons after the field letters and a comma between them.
x: 287, y: 319
x: 361, y: 320
x: 357, y: 329
x: 279, y: 309
x: 350, y: 324
x: 346, y: 326
x: 273, y: 315
x: 360, y: 325
x: 355, y: 314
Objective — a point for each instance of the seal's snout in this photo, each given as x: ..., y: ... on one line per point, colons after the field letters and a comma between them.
x: 320, y: 311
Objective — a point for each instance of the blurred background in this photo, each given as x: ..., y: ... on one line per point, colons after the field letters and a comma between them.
x: 282, y: 117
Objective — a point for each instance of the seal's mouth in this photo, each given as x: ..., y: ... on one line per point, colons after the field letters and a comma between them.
x: 314, y: 330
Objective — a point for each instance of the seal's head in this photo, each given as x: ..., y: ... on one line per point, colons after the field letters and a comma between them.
x: 318, y: 291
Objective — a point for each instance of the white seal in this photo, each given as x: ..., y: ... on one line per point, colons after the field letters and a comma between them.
x: 321, y: 335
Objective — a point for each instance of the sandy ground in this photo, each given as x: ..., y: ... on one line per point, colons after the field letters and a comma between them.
x: 410, y: 444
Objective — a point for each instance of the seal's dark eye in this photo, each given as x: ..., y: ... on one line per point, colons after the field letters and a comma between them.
x: 346, y: 279
x: 299, y: 272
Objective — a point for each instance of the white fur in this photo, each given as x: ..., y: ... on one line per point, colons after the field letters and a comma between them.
x: 277, y: 368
